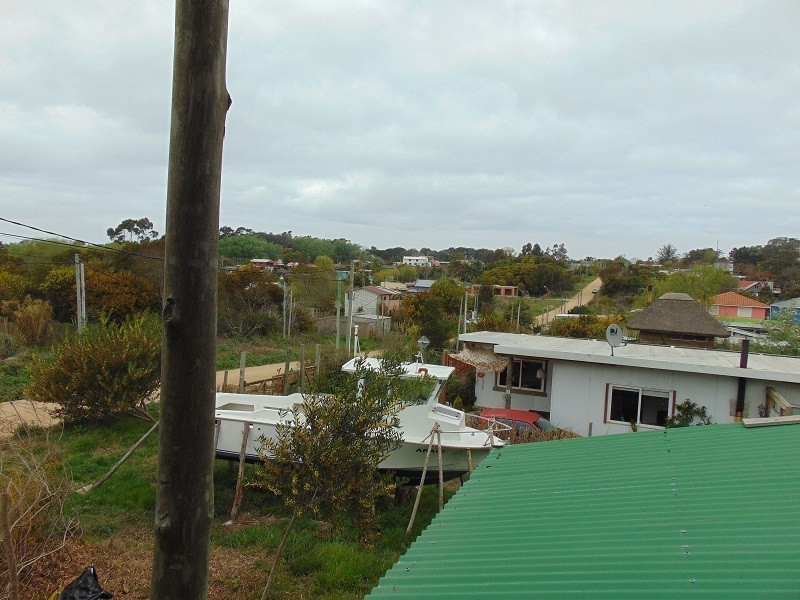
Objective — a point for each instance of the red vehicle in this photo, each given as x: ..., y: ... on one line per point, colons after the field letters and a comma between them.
x: 520, y: 421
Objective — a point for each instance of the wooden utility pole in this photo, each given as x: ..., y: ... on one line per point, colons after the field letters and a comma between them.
x: 185, y: 492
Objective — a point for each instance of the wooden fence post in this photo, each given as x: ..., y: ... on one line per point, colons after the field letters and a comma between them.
x: 237, y: 497
x: 242, y: 367
x: 286, y: 374
x: 302, y: 369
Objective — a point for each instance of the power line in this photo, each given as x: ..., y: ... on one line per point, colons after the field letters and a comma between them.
x: 98, y: 246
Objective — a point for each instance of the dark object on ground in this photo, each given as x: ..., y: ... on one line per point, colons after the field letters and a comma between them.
x: 85, y: 587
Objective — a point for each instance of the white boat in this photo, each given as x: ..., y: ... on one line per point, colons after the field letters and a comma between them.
x: 258, y: 415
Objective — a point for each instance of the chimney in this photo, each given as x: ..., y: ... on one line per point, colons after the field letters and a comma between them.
x: 742, y: 381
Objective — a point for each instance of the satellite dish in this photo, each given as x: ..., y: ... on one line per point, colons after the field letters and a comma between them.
x: 614, y: 336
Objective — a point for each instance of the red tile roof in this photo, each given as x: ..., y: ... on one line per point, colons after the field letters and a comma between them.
x: 734, y: 299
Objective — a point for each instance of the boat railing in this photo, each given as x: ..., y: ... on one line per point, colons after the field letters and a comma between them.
x: 494, y: 427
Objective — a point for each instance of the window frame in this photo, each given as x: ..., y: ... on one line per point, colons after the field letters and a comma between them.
x: 641, y: 391
x: 500, y: 386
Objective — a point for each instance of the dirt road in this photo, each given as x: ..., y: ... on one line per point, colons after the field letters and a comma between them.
x: 579, y: 299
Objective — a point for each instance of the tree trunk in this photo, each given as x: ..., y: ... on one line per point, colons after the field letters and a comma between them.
x: 184, y: 505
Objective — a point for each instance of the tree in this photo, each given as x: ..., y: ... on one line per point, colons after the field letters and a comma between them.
x: 327, y: 467
x: 781, y: 258
x: 249, y: 302
x: 241, y: 248
x: 624, y: 281
x: 705, y: 256
x: 558, y: 252
x: 315, y: 286
x: 132, y: 229
x: 666, y: 253
x: 701, y: 282
x: 59, y: 290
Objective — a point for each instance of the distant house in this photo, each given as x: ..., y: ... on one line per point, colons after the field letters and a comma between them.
x: 420, y: 285
x: 417, y: 261
x: 268, y: 264
x: 793, y: 304
x: 497, y: 290
x: 578, y: 384
x: 756, y: 286
x: 373, y: 300
x: 733, y: 304
x: 697, y: 512
x: 677, y: 320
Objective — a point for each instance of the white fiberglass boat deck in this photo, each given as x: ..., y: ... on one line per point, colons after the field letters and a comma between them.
x: 258, y: 415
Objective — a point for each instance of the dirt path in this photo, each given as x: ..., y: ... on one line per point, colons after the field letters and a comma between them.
x: 25, y: 412
x: 579, y: 299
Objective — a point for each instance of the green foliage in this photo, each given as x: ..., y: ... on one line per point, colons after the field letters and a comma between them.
x: 58, y: 288
x: 108, y: 370
x: 461, y: 387
x: 315, y: 286
x: 687, y: 413
x: 240, y: 249
x: 535, y: 274
x: 701, y: 282
x: 14, y: 377
x: 584, y: 326
x: 249, y: 303
x: 434, y: 313
x: 623, y: 282
x: 783, y: 334
x: 667, y: 253
x: 402, y: 273
x: 326, y: 466
x: 706, y: 256
x: 13, y: 286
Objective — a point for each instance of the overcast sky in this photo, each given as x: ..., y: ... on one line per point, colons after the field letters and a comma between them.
x: 613, y: 127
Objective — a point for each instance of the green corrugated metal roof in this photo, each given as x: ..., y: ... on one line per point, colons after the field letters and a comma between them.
x: 710, y: 512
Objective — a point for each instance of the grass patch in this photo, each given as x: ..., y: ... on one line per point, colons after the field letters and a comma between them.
x: 15, y: 376
x: 318, y: 562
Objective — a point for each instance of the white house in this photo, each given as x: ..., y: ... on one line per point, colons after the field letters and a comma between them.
x: 417, y: 261
x: 372, y: 300
x: 578, y: 384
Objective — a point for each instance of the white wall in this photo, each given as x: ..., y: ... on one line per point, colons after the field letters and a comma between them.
x: 577, y: 394
x: 364, y: 303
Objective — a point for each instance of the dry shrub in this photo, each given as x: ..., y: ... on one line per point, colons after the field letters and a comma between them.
x: 33, y: 473
x: 524, y: 436
x: 32, y: 322
x: 529, y: 436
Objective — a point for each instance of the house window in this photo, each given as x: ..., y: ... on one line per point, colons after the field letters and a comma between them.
x: 640, y: 406
x: 526, y: 376
x: 745, y: 311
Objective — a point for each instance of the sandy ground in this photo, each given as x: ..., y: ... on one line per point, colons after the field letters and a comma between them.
x: 25, y: 412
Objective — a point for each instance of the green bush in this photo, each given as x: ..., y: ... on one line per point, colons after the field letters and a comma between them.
x: 106, y: 371
x: 463, y: 388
